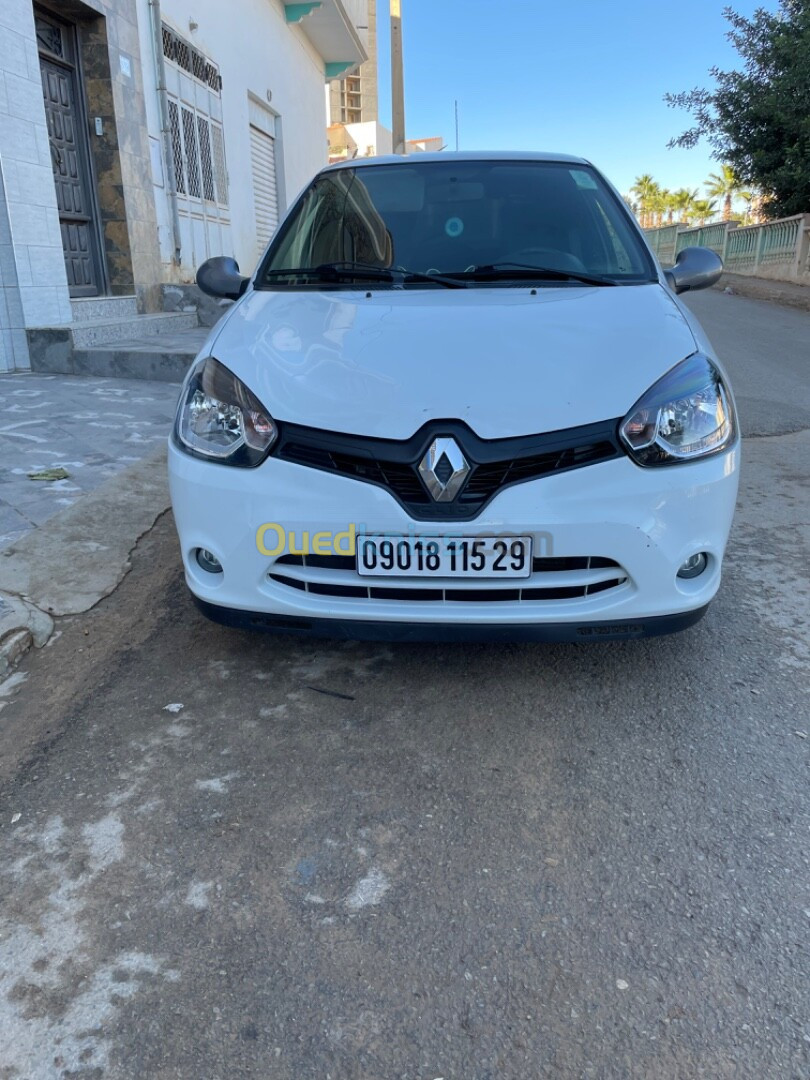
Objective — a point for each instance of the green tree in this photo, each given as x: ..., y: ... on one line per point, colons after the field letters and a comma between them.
x: 646, y: 192
x: 724, y: 185
x: 665, y: 206
x: 703, y: 209
x: 758, y: 120
x: 683, y: 201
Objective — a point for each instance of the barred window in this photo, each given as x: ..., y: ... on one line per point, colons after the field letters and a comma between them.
x: 220, y: 175
x: 177, y: 149
x: 191, y: 154
x: 49, y: 36
x: 180, y: 52
x: 205, y: 160
x: 198, y: 147
x: 198, y: 153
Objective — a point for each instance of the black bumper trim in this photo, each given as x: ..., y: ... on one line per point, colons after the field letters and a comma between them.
x: 378, y: 630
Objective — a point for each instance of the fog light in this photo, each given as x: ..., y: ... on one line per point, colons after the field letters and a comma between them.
x: 210, y: 563
x: 694, y: 565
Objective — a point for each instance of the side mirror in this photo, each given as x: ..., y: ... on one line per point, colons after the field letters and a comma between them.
x: 220, y: 277
x: 695, y: 268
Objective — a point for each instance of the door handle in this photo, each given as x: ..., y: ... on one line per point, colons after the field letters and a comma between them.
x: 56, y: 157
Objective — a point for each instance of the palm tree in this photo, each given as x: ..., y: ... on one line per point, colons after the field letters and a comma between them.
x: 753, y: 206
x: 655, y: 207
x: 724, y: 185
x: 664, y: 205
x: 683, y: 202
x: 703, y: 209
x: 645, y: 189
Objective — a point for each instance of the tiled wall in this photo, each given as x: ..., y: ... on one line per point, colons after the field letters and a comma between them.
x: 136, y: 162
x: 114, y: 85
x: 32, y: 268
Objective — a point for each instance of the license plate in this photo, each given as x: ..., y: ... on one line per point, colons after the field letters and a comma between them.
x: 444, y: 557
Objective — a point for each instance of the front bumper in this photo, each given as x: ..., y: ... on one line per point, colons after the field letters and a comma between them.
x: 647, y: 521
x: 360, y: 630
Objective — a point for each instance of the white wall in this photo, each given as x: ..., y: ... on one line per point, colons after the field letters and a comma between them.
x: 256, y: 51
x: 372, y: 137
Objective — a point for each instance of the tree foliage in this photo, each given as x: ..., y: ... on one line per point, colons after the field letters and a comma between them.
x: 758, y: 120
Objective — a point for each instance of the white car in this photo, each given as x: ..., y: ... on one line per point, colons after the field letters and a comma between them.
x: 459, y: 399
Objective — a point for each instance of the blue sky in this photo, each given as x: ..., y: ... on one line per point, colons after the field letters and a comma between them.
x: 583, y: 76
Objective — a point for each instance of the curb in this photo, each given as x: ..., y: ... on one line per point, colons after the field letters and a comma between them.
x: 21, y: 626
x: 784, y: 293
x: 77, y: 557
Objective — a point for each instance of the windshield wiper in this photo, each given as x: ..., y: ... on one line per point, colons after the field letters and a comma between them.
x: 525, y: 272
x: 359, y: 271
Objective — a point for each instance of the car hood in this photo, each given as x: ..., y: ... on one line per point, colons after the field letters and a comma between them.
x: 504, y: 361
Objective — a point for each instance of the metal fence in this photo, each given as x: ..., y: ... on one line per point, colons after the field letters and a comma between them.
x: 777, y: 249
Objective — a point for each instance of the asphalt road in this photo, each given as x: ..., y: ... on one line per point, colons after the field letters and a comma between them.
x: 358, y: 861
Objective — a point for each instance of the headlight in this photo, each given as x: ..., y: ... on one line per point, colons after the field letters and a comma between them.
x: 220, y: 419
x: 685, y: 415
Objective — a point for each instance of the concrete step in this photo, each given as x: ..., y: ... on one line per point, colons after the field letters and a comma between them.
x: 92, y: 308
x: 163, y: 359
x: 88, y: 334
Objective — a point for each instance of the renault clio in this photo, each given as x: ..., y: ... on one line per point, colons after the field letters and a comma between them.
x: 458, y: 399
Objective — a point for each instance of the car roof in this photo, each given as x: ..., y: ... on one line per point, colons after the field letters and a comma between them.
x: 463, y: 155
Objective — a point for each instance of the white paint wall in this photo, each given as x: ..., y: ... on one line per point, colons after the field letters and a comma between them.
x: 370, y: 138
x: 256, y: 51
x: 33, y: 283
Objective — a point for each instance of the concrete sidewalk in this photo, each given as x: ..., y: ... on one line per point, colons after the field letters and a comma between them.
x: 92, y: 428
x: 109, y: 436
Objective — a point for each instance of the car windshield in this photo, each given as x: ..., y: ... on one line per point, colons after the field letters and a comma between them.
x: 473, y: 222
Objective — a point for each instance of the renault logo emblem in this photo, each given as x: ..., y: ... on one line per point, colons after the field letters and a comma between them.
x: 444, y: 469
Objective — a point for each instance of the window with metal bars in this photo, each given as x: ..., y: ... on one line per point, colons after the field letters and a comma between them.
x: 191, y: 156
x: 205, y: 159
x: 180, y: 52
x: 198, y: 150
x: 49, y: 36
x: 177, y: 148
x: 220, y: 174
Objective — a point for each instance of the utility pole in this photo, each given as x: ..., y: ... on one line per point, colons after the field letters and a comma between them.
x: 397, y: 79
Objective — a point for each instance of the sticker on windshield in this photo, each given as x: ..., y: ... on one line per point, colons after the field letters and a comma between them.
x: 454, y: 227
x: 583, y: 179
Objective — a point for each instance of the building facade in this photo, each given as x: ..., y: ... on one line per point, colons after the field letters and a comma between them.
x: 136, y: 141
x: 354, y: 99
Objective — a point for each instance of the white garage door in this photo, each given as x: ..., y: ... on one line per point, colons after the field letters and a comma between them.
x: 265, y: 188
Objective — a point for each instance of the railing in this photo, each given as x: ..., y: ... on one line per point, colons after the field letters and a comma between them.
x: 709, y: 236
x: 663, y: 242
x: 777, y: 249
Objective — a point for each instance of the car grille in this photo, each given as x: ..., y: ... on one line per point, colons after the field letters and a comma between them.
x: 494, y: 463
x: 564, y: 578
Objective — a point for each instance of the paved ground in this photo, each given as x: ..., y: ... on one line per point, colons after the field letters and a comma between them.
x: 767, y: 349
x: 244, y: 856
x: 121, y: 422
